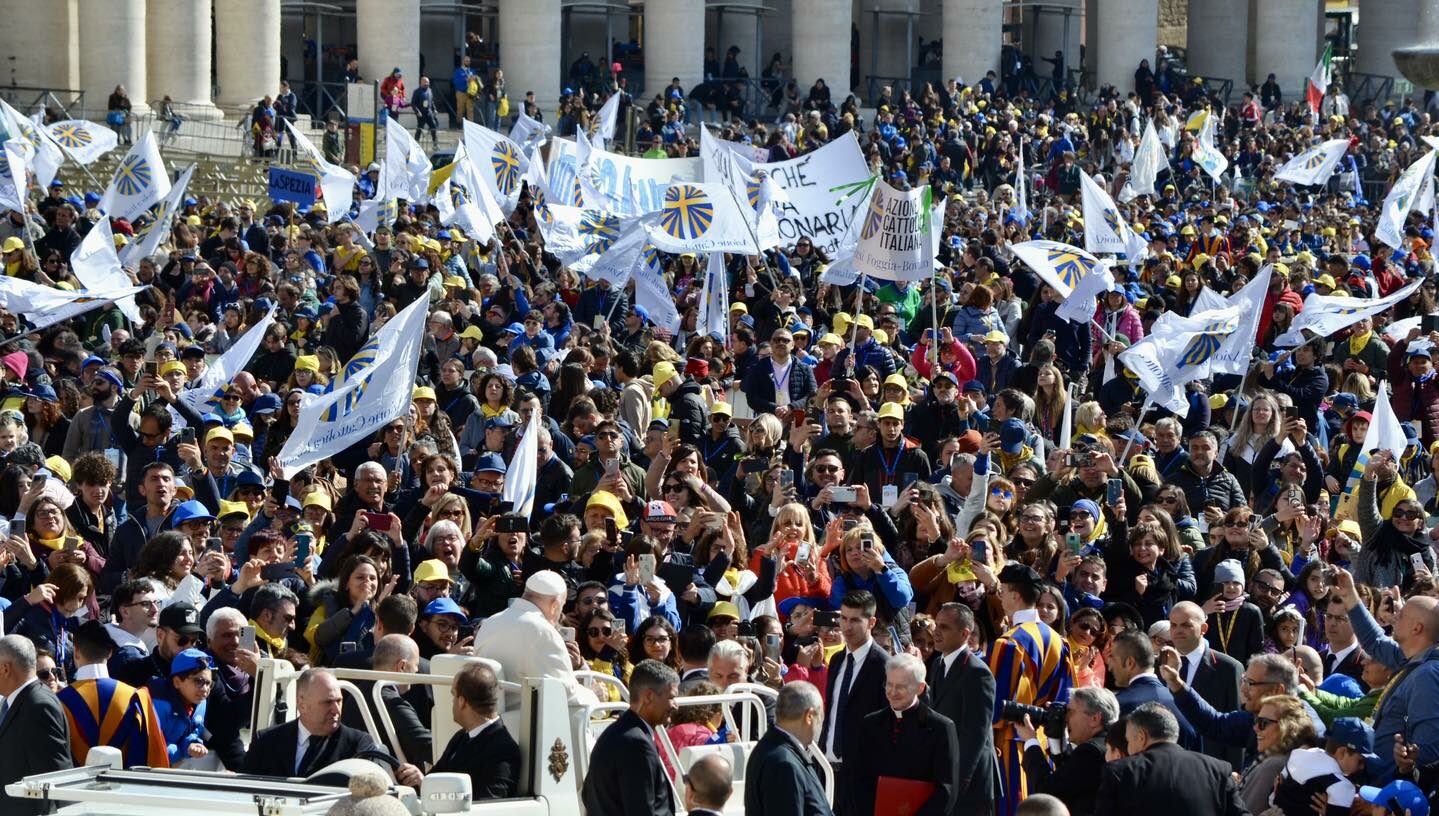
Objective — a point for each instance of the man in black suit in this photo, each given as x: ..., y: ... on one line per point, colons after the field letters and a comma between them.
x: 695, y: 642
x: 626, y: 777
x: 482, y: 747
x: 780, y: 381
x: 854, y: 686
x: 1342, y: 654
x: 395, y: 653
x: 961, y: 688
x: 780, y: 779
x: 1159, y: 776
x: 1212, y: 674
x: 34, y: 734
x: 1131, y: 664
x: 708, y: 785
x: 316, y: 739
x: 906, y: 740
x: 1073, y: 776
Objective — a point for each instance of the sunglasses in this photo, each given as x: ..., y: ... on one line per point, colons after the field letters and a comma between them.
x: 56, y: 674
x: 674, y: 488
x: 1408, y: 514
x: 596, y: 631
x: 1089, y: 628
x: 826, y: 468
x: 1002, y: 492
x: 1236, y: 524
x: 1023, y: 482
x: 1263, y: 723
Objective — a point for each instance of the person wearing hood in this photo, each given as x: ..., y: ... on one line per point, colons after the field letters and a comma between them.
x: 1416, y: 388
x: 1391, y: 522
x: 1345, y: 449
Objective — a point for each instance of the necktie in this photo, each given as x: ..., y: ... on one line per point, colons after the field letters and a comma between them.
x: 939, y: 671
x: 4, y: 709
x: 312, y: 752
x: 841, y: 696
x: 1329, y: 664
x: 1184, y: 669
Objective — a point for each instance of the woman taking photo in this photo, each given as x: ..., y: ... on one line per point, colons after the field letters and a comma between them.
x: 864, y: 564
x: 802, y: 571
x: 50, y: 533
x: 1389, y: 545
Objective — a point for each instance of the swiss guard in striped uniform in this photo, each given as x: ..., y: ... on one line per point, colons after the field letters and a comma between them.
x: 102, y: 711
x: 1031, y: 666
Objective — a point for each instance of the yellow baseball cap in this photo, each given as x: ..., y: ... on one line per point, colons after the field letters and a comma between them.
x: 472, y: 333
x: 423, y: 392
x: 831, y: 340
x: 897, y: 379
x: 721, y: 409
x: 59, y: 467
x: 307, y: 362
x: 242, y: 430
x: 219, y: 433
x: 664, y: 371
x: 864, y: 321
x: 881, y: 337
x: 172, y: 366
x: 233, y: 508
x: 12, y: 244
x: 739, y: 307
x: 891, y: 410
x: 432, y: 570
x: 318, y: 498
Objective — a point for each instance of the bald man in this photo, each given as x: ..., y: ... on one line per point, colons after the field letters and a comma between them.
x: 1409, y: 709
x: 708, y: 785
x: 1213, y: 675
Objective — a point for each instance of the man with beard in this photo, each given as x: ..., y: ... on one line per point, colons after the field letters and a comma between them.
x: 938, y: 415
x: 90, y: 430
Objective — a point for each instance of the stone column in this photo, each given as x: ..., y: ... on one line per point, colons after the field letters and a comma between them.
x: 41, y: 45
x: 1386, y: 26
x: 248, y: 53
x: 530, y: 51
x: 1131, y: 31
x: 1218, y: 40
x: 178, y: 58
x: 973, y: 35
x: 674, y: 44
x: 1048, y: 25
x: 112, y: 52
x: 388, y: 37
x: 439, y: 33
x: 821, y: 45
x: 889, y: 57
x: 1290, y: 58
x: 739, y: 26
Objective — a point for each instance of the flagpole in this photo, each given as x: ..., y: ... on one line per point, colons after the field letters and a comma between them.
x: 754, y: 236
x: 1243, y: 383
x: 1143, y: 409
x: 854, y: 324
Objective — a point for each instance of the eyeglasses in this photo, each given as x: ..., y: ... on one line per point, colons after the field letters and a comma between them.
x: 395, y: 429
x: 1249, y: 681
x: 1088, y: 628
x: 593, y: 600
x: 781, y: 340
x: 1168, y: 499
x: 719, y: 418
x: 656, y: 640
x: 1026, y: 483
x: 1267, y: 589
x: 1263, y: 723
x: 56, y: 674
x: 1408, y: 514
x: 1002, y: 492
x: 596, y: 631
x: 607, y: 435
x: 150, y: 604
x: 826, y: 468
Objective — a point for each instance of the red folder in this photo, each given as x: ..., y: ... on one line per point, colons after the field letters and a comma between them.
x: 901, y: 797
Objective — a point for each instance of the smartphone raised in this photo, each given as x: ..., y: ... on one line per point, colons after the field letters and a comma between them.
x: 247, y: 639
x: 152, y: 368
x: 1429, y: 323
x: 1073, y: 542
x: 567, y: 633
x: 1114, y: 491
x: 72, y: 543
x: 771, y: 647
x: 303, y: 543
x: 214, y: 544
x: 647, y: 568
x: 907, y: 478
x: 612, y: 532
x: 786, y: 479
x: 187, y: 436
x: 379, y: 522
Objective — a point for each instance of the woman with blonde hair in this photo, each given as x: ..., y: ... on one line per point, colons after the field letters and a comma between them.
x: 1051, y: 401
x: 1260, y: 423
x: 1089, y: 419
x: 864, y: 564
x: 801, y: 570
x: 1281, y: 725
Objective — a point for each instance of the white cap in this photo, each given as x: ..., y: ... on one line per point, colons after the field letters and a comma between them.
x: 546, y: 584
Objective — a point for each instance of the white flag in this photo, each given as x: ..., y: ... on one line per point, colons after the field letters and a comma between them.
x: 1178, y: 350
x: 1384, y: 432
x: 714, y: 299
x: 1407, y: 191
x: 463, y: 198
x: 1060, y: 265
x: 406, y: 165
x: 606, y: 120
x: 499, y: 162
x: 337, y: 183
x: 152, y: 236
x: 1234, y: 355
x: 1021, y: 187
x: 1315, y: 165
x: 895, y: 240
x: 83, y: 140
x: 1149, y: 162
x: 44, y: 306
x: 1079, y: 306
x: 522, y: 473
x: 617, y: 264
x: 15, y: 186
x: 1206, y: 154
x: 139, y: 181
x: 96, y: 265
x: 204, y: 396
x: 652, y: 293
x: 1104, y: 228
x: 1324, y: 315
x: 530, y: 134
x: 701, y: 218
x: 375, y: 387
x: 45, y: 156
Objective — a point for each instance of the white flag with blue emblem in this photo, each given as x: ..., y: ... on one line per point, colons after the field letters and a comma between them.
x: 1406, y: 194
x: 1324, y: 315
x: 606, y: 120
x: 1315, y: 165
x: 701, y: 217
x: 1178, y: 350
x: 895, y: 236
x: 83, y: 140
x: 140, y: 180
x: 713, y: 316
x: 44, y: 306
x: 204, y: 395
x: 1233, y: 357
x: 1206, y: 154
x: 1104, y: 228
x: 617, y: 263
x: 375, y: 387
x: 1080, y: 305
x: 1385, y: 433
x: 96, y: 265
x: 152, y: 235
x: 523, y: 471
x: 1060, y: 265
x: 45, y: 156
x: 337, y: 183
x: 529, y: 133
x: 653, y: 294
x: 14, y: 176
x: 1149, y: 161
x: 406, y: 165
x: 500, y: 163
x: 464, y: 198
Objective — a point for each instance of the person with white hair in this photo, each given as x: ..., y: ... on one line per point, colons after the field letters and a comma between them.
x: 525, y: 639
x: 779, y: 778
x: 36, y: 735
x: 906, y: 740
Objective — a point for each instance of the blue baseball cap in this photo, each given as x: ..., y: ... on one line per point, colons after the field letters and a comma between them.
x: 490, y: 463
x: 57, y: 183
x: 212, y: 417
x: 1397, y: 797
x: 974, y: 385
x: 1011, y: 436
x: 501, y: 421
x: 190, y: 660
x: 249, y: 478
x: 642, y: 313
x: 92, y: 198
x: 1356, y: 735
x: 515, y: 329
x: 266, y: 404
x: 93, y: 360
x: 191, y: 510
x: 446, y: 606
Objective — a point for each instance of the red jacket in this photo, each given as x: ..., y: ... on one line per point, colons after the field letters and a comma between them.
x: 1270, y: 301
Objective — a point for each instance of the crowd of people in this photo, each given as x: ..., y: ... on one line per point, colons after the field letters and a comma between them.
x: 857, y: 496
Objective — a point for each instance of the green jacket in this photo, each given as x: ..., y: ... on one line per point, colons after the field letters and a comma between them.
x: 1331, y: 706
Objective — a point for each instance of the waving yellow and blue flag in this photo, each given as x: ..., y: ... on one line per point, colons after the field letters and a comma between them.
x: 140, y: 180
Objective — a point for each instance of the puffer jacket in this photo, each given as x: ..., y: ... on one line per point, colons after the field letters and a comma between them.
x: 1219, y: 489
x: 688, y: 408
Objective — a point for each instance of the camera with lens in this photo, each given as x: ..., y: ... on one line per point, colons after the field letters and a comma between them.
x: 1051, y: 719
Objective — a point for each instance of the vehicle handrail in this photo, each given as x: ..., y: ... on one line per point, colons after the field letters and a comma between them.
x: 760, y: 691
x: 348, y: 687
x: 585, y: 675
x: 381, y: 711
x: 826, y: 770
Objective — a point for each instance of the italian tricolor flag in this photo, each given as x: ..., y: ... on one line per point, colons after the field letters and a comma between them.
x: 1319, y: 80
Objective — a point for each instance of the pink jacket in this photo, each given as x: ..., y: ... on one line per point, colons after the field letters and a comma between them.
x: 963, y: 367
x: 1127, y: 325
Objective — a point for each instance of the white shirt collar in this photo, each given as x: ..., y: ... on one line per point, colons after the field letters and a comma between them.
x: 1194, y: 657
x: 94, y: 671
x: 14, y: 695
x: 1024, y: 616
x: 1343, y: 653
x: 858, y: 656
x: 123, y: 637
x: 899, y: 715
x: 475, y: 732
x: 950, y: 659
